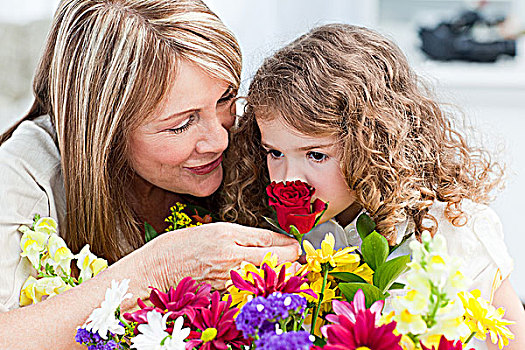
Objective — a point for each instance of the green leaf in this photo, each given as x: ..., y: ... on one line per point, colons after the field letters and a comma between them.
x: 276, y: 226
x: 372, y: 293
x: 319, y: 341
x: 365, y: 226
x: 320, y: 215
x: 298, y: 235
x: 388, y: 272
x: 347, y: 277
x: 150, y: 232
x: 375, y: 250
x: 397, y: 285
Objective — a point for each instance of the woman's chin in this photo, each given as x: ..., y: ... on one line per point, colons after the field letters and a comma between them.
x: 208, y: 185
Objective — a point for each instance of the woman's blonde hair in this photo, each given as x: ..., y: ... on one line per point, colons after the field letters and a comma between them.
x: 106, y: 66
x: 400, y: 151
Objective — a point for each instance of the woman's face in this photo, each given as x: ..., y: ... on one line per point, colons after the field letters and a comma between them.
x: 180, y: 147
x: 292, y: 155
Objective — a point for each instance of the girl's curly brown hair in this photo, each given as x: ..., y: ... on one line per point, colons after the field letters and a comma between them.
x: 400, y: 151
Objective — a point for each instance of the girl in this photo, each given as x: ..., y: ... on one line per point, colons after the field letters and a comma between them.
x: 340, y: 109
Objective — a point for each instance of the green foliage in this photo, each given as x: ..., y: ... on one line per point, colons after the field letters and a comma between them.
x: 347, y: 277
x: 387, y: 273
x: 375, y: 250
x: 365, y: 225
x: 372, y: 293
x: 150, y: 232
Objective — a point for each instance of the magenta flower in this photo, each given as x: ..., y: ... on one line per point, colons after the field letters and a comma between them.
x: 347, y: 335
x: 182, y: 300
x: 445, y: 344
x: 271, y: 282
x: 350, y: 310
x: 355, y: 327
x: 216, y: 327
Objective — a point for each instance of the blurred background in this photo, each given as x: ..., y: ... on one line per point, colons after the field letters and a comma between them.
x: 491, y: 94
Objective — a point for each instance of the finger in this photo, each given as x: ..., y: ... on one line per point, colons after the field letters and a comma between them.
x: 255, y: 255
x: 258, y: 237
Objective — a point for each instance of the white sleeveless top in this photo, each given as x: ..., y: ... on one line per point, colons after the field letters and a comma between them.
x: 479, y: 244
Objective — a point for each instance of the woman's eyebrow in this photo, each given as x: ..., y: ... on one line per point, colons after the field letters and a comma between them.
x: 177, y: 114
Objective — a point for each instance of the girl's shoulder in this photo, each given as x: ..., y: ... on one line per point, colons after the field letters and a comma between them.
x: 479, y: 243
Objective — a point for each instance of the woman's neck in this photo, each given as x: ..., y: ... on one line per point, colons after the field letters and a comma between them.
x: 349, y: 214
x: 151, y: 203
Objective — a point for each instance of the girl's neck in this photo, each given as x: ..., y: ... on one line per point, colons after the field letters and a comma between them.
x: 349, y: 214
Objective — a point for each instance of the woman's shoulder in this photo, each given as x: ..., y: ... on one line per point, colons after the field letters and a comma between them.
x: 30, y: 169
x: 33, y: 141
x: 31, y: 184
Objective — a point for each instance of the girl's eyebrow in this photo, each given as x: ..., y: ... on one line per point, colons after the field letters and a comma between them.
x: 305, y: 148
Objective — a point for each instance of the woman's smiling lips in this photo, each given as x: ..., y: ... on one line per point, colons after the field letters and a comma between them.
x: 205, y: 169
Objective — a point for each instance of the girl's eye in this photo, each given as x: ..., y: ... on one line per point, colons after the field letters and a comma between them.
x: 317, y: 156
x: 275, y: 154
x: 184, y: 125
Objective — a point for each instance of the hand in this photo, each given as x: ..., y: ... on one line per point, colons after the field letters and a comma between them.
x: 208, y: 253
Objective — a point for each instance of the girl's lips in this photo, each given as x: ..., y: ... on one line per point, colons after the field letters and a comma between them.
x: 205, y: 169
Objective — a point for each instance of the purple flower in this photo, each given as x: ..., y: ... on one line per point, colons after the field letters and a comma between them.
x: 94, y: 341
x: 259, y: 315
x: 290, y: 340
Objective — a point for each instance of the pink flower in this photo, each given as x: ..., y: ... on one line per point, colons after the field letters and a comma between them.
x: 355, y: 326
x: 216, y: 327
x: 182, y: 300
x: 445, y: 344
x: 347, y: 335
x: 350, y: 310
x: 271, y: 282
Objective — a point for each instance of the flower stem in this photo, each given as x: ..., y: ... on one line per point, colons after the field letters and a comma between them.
x: 124, y: 322
x: 321, y: 296
x: 469, y: 338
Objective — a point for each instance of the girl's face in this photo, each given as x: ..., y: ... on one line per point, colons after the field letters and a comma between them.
x: 180, y: 147
x: 292, y: 155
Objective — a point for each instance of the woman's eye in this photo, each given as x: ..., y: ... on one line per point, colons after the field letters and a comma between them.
x: 184, y: 125
x: 317, y: 156
x: 275, y: 154
x: 228, y: 95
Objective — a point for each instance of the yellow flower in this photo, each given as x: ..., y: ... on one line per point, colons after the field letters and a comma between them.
x: 59, y: 254
x: 35, y: 290
x: 89, y: 264
x: 409, y: 323
x: 483, y: 318
x: 46, y: 225
x: 33, y: 243
x: 28, y: 294
x: 51, y: 286
x: 407, y: 343
x: 327, y: 255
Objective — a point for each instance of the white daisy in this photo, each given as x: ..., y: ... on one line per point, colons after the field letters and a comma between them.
x: 153, y: 335
x: 103, y: 320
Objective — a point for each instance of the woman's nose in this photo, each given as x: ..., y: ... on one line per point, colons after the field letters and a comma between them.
x: 214, y: 138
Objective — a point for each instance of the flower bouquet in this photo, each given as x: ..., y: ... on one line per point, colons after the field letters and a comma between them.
x: 349, y: 298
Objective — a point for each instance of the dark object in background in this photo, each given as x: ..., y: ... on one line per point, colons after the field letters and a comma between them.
x: 453, y: 41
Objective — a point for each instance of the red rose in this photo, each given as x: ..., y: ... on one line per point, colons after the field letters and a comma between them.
x: 292, y: 203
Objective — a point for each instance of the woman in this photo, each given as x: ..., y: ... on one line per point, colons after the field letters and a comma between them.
x: 132, y: 111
